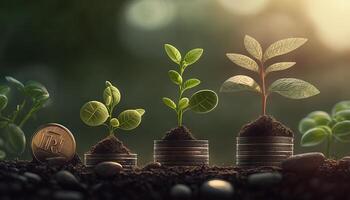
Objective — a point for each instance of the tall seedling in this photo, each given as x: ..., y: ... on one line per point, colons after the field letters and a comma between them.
x: 288, y: 87
x: 203, y: 101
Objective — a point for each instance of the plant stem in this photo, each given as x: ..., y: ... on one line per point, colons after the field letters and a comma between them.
x: 27, y: 116
x: 263, y: 88
x: 178, y: 110
x: 329, y: 145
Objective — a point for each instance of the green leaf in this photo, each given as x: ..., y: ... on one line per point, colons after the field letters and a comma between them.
x: 320, y: 117
x: 306, y: 124
x: 4, y: 89
x: 343, y: 105
x: 313, y: 137
x: 36, y: 91
x: 203, y: 101
x: 141, y: 111
x: 16, y: 139
x: 191, y: 83
x: 193, y: 56
x: 173, y: 53
x: 114, y: 122
x: 183, y: 103
x: 94, y: 113
x: 170, y: 103
x: 341, y: 131
x: 2, y: 155
x: 253, y: 47
x: 243, y: 61
x: 293, y: 88
x: 15, y: 82
x: 342, y: 115
x: 129, y: 119
x: 283, y: 47
x: 3, y: 124
x: 240, y: 83
x: 111, y: 95
x: 175, y: 77
x: 3, y: 102
x: 279, y: 67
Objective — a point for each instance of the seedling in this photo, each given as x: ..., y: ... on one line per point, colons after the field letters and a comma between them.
x: 35, y: 97
x: 203, y: 101
x: 288, y: 87
x: 95, y: 113
x: 319, y: 126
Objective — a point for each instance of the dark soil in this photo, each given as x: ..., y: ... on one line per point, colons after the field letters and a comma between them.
x: 265, y: 126
x: 110, y: 144
x: 330, y: 181
x: 179, y: 133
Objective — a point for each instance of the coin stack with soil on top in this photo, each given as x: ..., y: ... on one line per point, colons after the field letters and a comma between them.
x: 110, y: 149
x: 180, y: 148
x: 263, y: 142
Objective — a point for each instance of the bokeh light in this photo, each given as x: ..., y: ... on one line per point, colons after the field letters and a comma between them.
x: 150, y: 14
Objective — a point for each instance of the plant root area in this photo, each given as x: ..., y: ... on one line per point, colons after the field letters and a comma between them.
x: 32, y: 180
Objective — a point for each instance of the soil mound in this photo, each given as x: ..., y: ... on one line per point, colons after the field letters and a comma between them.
x: 179, y: 133
x: 110, y: 144
x: 265, y: 126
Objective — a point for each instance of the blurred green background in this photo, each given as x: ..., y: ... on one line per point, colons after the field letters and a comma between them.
x: 73, y: 46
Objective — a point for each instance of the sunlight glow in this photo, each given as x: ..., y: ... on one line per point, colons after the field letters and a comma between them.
x: 244, y: 7
x: 331, y: 20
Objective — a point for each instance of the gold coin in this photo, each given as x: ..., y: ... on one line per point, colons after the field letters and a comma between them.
x: 53, y: 140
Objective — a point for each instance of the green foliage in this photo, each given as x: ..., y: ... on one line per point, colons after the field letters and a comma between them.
x: 202, y: 101
x: 35, y: 97
x: 319, y: 126
x: 288, y: 87
x: 95, y: 113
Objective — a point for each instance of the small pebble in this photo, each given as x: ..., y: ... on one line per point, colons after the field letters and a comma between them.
x: 108, y: 169
x: 303, y: 162
x: 34, y: 178
x: 216, y: 189
x: 180, y: 192
x: 67, y: 195
x: 154, y: 165
x: 345, y: 161
x: 265, y: 179
x: 67, y: 179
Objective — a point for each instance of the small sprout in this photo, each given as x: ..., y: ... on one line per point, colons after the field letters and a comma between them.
x: 288, y: 87
x: 202, y: 101
x: 319, y: 126
x: 35, y: 98
x: 95, y: 113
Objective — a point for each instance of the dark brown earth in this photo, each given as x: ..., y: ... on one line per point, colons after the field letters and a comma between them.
x: 265, y: 126
x: 330, y: 181
x: 179, y: 133
x: 110, y: 144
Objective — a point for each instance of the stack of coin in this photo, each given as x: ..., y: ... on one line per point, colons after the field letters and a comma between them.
x: 128, y: 161
x: 263, y: 151
x: 181, y: 152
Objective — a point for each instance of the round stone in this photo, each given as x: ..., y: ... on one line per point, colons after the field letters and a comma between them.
x: 67, y: 195
x: 303, y: 162
x: 108, y: 169
x: 266, y: 179
x: 180, y: 192
x: 34, y: 178
x: 216, y: 189
x: 66, y: 179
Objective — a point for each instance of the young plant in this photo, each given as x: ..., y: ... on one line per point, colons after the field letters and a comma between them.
x: 35, y: 97
x: 288, y: 87
x: 203, y: 101
x: 319, y: 126
x: 95, y: 113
